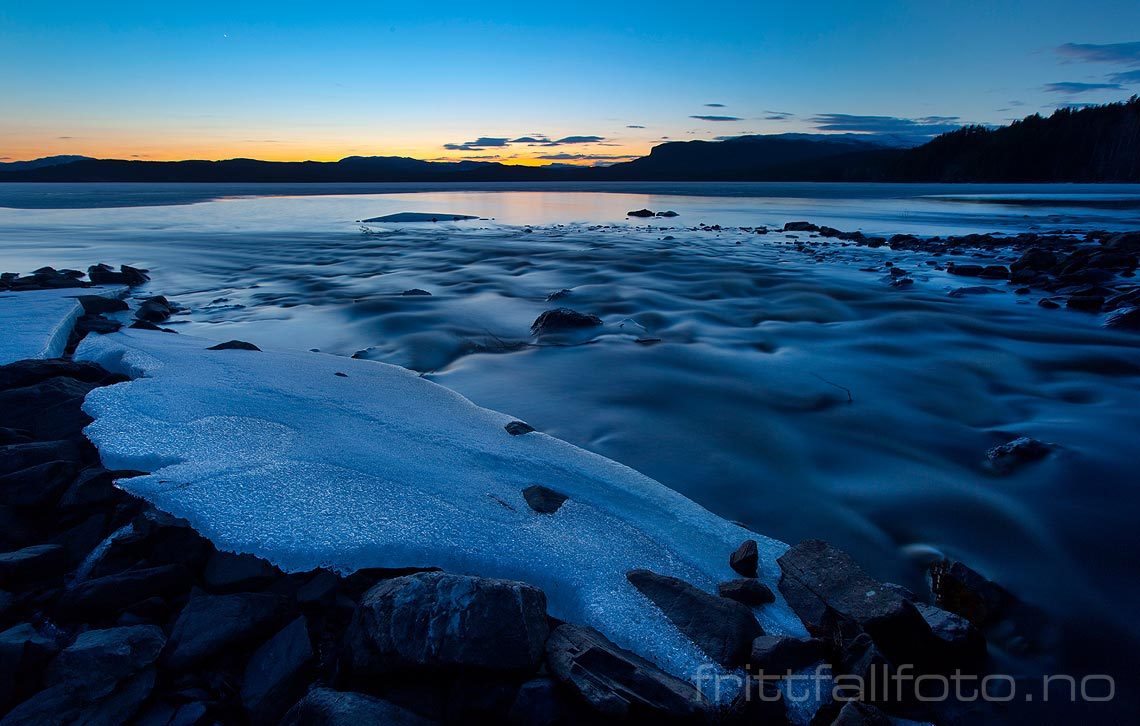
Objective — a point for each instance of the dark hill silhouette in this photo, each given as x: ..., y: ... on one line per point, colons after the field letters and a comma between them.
x: 1096, y: 144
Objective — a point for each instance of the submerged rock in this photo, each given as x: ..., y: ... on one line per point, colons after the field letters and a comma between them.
x: 724, y: 629
x: 563, y: 319
x: 617, y: 683
x: 1007, y: 457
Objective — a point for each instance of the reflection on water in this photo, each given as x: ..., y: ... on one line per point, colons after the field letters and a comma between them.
x: 735, y: 406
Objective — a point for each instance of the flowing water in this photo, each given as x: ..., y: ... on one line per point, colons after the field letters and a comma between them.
x: 796, y: 392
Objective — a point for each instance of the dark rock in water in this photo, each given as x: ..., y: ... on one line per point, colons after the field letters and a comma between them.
x: 558, y: 295
x: 434, y: 620
x: 722, y: 628
x: 518, y: 428
x: 800, y: 227
x: 154, y: 310
x: 229, y: 572
x: 747, y: 591
x: 1035, y: 259
x: 957, y: 643
x: 963, y: 591
x: 326, y: 707
x: 1007, y: 457
x: 966, y: 270
x: 543, y: 500
x: 857, y: 713
x: 96, y: 324
x: 1125, y: 241
x: 108, y: 595
x: 1047, y: 303
x: 563, y: 319
x: 234, y: 345
x: 975, y: 290
x: 104, y: 275
x: 210, y: 624
x: 37, y: 486
x: 639, y: 213
x: 98, y: 305
x: 24, y: 653
x: 416, y: 292
x: 29, y: 372
x: 38, y: 562
x: 1127, y: 319
x: 617, y: 683
x: 1086, y: 303
x: 49, y: 410
x: 778, y: 654
x: 15, y: 457
x: 746, y: 558
x: 277, y: 673
x: 147, y: 325
x: 995, y: 272
x: 668, y: 213
x: 834, y: 598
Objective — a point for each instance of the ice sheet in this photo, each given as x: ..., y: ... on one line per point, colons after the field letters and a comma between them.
x: 36, y: 323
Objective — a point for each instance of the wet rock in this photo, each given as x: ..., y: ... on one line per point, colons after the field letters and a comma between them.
x: 1127, y: 319
x: 965, y: 270
x: 103, y: 275
x: 1085, y: 303
x: 1047, y: 303
x: 153, y: 538
x: 558, y: 295
x: 147, y: 325
x: 229, y: 572
x: 973, y: 291
x: 1124, y: 242
x: 778, y: 654
x: 957, y: 643
x: 29, y: 372
x: 835, y: 599
x: 1023, y: 450
x: 435, y: 620
x: 210, y: 624
x: 857, y: 713
x: 37, y: 486
x: 92, y: 487
x: 99, y: 305
x: 963, y: 591
x: 107, y: 596
x: 38, y: 562
x: 277, y: 673
x: 326, y: 707
x: 724, y: 629
x: 560, y: 319
x: 747, y: 591
x: 96, y: 324
x: 319, y: 591
x: 234, y: 345
x: 617, y: 683
x: 640, y: 213
x: 416, y: 292
x: 518, y: 428
x: 995, y: 272
x: 15, y: 457
x: 155, y: 309
x: 543, y: 500
x: 800, y: 227
x: 746, y: 558
x: 668, y: 213
x: 1036, y: 260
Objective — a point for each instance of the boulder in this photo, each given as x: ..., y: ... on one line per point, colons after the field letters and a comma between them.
x: 154, y: 310
x: 723, y: 629
x: 38, y: 562
x: 210, y: 624
x: 277, y: 673
x: 234, y: 345
x: 416, y: 292
x: 1126, y: 319
x: 668, y: 213
x: 15, y: 457
x: 957, y: 643
x: 558, y: 295
x: 617, y: 683
x: 778, y: 654
x: 326, y: 707
x: 37, y: 486
x: 518, y: 428
x: 748, y: 591
x: 640, y: 213
x: 963, y: 591
x: 95, y: 324
x: 542, y: 499
x: 965, y: 270
x: 560, y: 319
x: 29, y: 372
x: 24, y: 653
x: 230, y: 572
x: 539, y: 702
x: 1023, y: 450
x: 857, y: 713
x: 800, y: 227
x: 746, y: 558
x: 99, y: 305
x: 1085, y: 303
x: 995, y: 272
x: 49, y: 409
x: 440, y: 621
x: 107, y: 596
x: 1036, y: 260
x: 103, y: 275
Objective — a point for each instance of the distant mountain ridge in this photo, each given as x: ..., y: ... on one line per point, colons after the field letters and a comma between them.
x: 1095, y: 144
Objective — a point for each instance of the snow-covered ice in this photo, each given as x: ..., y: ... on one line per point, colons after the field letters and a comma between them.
x: 273, y: 453
x: 36, y: 323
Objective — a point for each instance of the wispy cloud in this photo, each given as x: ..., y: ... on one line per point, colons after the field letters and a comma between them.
x: 1071, y: 88
x: 778, y: 115
x: 635, y: 126
x: 714, y: 105
x: 479, y: 144
x: 563, y: 156
x: 576, y: 140
x: 926, y: 125
x: 1126, y: 77
x: 1122, y: 53
x: 717, y: 118
x: 497, y: 142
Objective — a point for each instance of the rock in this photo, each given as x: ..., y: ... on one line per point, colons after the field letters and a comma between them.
x: 326, y: 707
x: 1125, y: 241
x: 13, y: 436
x: 49, y: 409
x: 24, y: 653
x: 229, y: 572
x: 747, y: 591
x: 558, y: 295
x: 39, y: 562
x: 563, y: 319
x: 724, y: 629
x: 276, y: 673
x: 234, y: 345
x: 857, y: 713
x: 965, y: 270
x: 835, y: 599
x: 1047, y: 303
x: 746, y: 559
x: 153, y: 538
x: 668, y: 213
x: 319, y: 591
x: 107, y: 596
x: 99, y: 305
x: 617, y: 683
x: 435, y: 620
x: 639, y: 213
x: 416, y: 292
x: 518, y: 428
x: 37, y: 486
x: 210, y: 624
x: 1085, y: 303
x: 92, y: 487
x: 15, y: 457
x: 800, y: 227
x: 96, y: 324
x: 103, y: 275
x: 154, y: 310
x: 100, y: 659
x: 974, y: 290
x: 778, y: 654
x: 1126, y: 319
x: 862, y: 658
x: 29, y: 372
x: 1023, y: 450
x: 147, y: 325
x: 542, y: 499
x: 1035, y: 259
x: 995, y: 272
x: 963, y: 591
x: 957, y: 643
x: 539, y: 702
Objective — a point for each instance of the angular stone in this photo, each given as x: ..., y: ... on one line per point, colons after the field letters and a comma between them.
x: 277, y: 673
x: 98, y: 305
x: 747, y: 591
x: 30, y: 372
x: 49, y: 410
x: 543, y: 500
x: 326, y: 707
x: 746, y: 558
x: 24, y: 653
x: 778, y: 654
x: 209, y: 624
x: 857, y: 713
x: 722, y: 628
x: 38, y: 562
x: 957, y: 643
x: 559, y: 319
x: 99, y: 660
x: 19, y: 456
x: 435, y: 620
x: 106, y: 596
x: 230, y: 572
x: 37, y: 486
x: 617, y: 683
x: 961, y: 590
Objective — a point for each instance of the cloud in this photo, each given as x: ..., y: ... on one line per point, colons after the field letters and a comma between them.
x: 497, y: 142
x: 634, y: 126
x: 478, y: 144
x: 926, y: 125
x: 1123, y: 53
x: 714, y: 105
x: 1125, y: 77
x: 536, y: 139
x: 1072, y: 87
x: 563, y: 156
x: 778, y: 115
x: 717, y: 118
x: 576, y: 140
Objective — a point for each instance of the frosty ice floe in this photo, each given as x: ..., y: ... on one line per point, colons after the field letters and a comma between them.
x: 275, y: 454
x: 36, y: 323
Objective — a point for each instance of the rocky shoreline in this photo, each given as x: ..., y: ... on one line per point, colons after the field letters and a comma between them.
x: 112, y: 611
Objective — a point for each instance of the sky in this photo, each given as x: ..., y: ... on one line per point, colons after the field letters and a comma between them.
x: 534, y: 83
